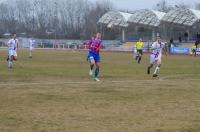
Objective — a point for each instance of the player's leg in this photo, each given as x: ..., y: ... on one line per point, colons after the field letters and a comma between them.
x: 149, y: 68
x: 92, y: 63
x: 140, y: 56
x: 30, y: 53
x: 91, y: 59
x: 152, y: 61
x: 137, y: 55
x: 97, y: 70
x: 15, y: 55
x: 157, y: 68
x: 134, y: 53
x: 10, y: 58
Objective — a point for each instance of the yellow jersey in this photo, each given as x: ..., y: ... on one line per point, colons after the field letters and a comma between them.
x: 140, y: 45
x: 193, y: 47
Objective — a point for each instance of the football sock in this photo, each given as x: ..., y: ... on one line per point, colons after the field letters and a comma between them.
x: 10, y: 64
x: 96, y: 72
x: 30, y: 54
x: 140, y: 58
x: 91, y: 67
x: 136, y: 58
x: 157, y: 69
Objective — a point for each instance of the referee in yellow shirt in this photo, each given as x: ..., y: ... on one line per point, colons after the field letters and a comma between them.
x: 139, y: 47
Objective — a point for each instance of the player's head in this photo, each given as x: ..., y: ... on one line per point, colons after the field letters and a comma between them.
x: 98, y: 36
x: 14, y: 35
x: 159, y: 39
x: 140, y: 40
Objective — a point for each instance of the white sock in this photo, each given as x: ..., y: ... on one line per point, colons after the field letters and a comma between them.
x: 9, y: 63
x: 30, y: 53
x: 157, y: 70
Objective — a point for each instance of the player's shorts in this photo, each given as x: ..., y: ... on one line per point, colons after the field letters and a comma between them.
x: 140, y: 51
x: 31, y: 48
x: 155, y: 58
x: 12, y: 53
x: 95, y: 57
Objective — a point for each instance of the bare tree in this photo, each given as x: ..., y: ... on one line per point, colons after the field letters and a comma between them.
x: 182, y: 5
x: 163, y: 6
x: 197, y: 6
x: 69, y: 18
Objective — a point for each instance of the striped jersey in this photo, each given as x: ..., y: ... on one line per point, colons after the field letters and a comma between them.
x: 12, y: 44
x: 94, y: 46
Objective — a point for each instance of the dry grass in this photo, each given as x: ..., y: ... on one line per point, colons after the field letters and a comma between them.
x: 53, y: 93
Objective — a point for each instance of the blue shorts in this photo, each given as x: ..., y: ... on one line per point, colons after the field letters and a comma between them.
x: 95, y: 57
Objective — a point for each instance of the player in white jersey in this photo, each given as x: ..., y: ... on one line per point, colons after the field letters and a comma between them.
x: 12, y: 50
x: 156, y: 56
x: 31, y: 46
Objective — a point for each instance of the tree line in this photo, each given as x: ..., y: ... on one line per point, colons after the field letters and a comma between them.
x: 164, y: 6
x: 75, y: 19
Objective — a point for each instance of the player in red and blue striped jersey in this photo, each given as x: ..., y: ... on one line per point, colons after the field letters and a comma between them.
x: 94, y: 46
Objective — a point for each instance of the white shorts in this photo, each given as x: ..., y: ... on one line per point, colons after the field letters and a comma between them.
x: 31, y: 48
x: 155, y: 58
x: 12, y: 53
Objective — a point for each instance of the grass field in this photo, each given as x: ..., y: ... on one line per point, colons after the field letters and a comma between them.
x: 53, y: 93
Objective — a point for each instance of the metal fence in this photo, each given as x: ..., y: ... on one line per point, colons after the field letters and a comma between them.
x: 112, y: 45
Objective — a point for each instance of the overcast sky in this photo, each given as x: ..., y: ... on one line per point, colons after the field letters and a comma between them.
x: 141, y: 4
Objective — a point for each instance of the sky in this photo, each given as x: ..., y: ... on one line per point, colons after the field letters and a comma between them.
x: 143, y: 4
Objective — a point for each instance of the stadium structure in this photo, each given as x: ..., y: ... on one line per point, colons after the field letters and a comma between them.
x: 171, y: 24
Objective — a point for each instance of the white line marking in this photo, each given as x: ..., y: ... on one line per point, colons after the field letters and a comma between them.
x: 166, y: 78
x: 63, y: 83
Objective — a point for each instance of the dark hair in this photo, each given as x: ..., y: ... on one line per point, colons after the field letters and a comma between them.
x: 159, y: 37
x: 13, y: 34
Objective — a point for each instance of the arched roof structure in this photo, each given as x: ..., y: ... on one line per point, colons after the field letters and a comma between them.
x: 115, y: 18
x: 184, y: 17
x: 146, y: 17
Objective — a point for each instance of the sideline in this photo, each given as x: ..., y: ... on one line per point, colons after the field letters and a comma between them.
x: 166, y: 78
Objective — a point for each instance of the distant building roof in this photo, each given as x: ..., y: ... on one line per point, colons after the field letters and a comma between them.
x: 125, y: 15
x: 147, y: 17
x: 159, y: 14
x: 185, y: 17
x: 152, y: 18
x: 115, y: 18
x: 196, y: 13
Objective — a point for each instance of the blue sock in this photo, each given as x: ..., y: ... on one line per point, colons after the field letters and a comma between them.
x: 91, y: 67
x: 96, y: 72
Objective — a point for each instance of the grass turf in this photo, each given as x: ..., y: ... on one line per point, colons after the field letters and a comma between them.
x: 53, y: 92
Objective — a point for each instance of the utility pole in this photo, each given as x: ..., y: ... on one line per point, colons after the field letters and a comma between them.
x: 55, y: 21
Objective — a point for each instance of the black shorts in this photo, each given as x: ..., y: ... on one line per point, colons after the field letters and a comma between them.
x: 193, y: 51
x: 140, y: 52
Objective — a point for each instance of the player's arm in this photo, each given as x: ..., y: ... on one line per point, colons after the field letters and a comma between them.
x: 152, y: 47
x: 100, y: 46
x: 89, y: 44
x: 143, y: 45
x: 9, y: 43
x: 136, y: 45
